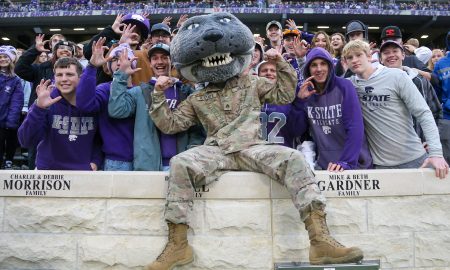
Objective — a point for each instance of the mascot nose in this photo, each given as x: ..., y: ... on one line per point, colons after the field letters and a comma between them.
x: 213, y: 35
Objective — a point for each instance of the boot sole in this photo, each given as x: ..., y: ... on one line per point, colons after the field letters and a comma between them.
x: 350, y: 258
x: 188, y: 260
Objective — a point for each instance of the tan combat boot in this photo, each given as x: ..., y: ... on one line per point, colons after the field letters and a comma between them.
x: 177, y: 250
x: 324, y: 248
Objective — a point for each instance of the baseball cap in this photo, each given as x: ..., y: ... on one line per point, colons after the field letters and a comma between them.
x: 291, y: 32
x: 355, y: 26
x: 391, y: 42
x: 424, y: 54
x: 269, y: 24
x: 162, y: 27
x: 391, y: 32
x: 159, y: 47
x: 140, y: 21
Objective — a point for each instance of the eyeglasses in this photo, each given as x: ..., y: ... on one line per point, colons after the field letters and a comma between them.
x: 291, y: 32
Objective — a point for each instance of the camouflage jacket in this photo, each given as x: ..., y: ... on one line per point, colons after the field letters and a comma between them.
x: 230, y: 115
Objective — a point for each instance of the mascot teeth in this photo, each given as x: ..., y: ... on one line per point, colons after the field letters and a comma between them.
x: 217, y: 59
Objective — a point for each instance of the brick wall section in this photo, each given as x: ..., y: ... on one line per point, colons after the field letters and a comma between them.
x: 243, y: 221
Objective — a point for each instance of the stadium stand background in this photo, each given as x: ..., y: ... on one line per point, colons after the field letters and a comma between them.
x: 21, y: 20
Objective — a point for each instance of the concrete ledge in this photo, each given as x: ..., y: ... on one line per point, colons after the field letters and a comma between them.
x: 114, y: 220
x: 232, y: 185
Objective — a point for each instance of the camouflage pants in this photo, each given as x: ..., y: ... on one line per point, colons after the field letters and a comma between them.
x: 204, y: 164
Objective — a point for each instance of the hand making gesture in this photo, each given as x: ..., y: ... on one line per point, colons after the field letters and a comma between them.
x: 274, y: 55
x: 290, y: 23
x: 307, y: 89
x: 118, y: 24
x: 43, y: 91
x: 181, y: 20
x: 128, y: 35
x: 40, y: 43
x: 167, y: 20
x: 97, y: 58
x: 301, y: 47
x: 125, y: 63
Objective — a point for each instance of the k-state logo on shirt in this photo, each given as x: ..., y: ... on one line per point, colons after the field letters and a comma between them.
x: 72, y: 125
x: 373, y: 100
x: 368, y: 89
x: 330, y: 115
x: 326, y: 129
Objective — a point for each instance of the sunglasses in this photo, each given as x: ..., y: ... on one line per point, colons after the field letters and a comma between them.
x: 291, y: 32
x: 65, y: 47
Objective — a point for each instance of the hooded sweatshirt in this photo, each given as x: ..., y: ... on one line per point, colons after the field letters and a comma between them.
x: 124, y: 102
x: 442, y: 71
x: 116, y: 134
x: 11, y: 101
x: 334, y: 119
x: 65, y: 136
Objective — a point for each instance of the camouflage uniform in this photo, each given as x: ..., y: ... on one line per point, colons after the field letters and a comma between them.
x: 231, y: 117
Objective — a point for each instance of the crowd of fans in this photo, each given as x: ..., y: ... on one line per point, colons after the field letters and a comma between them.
x: 26, y: 6
x: 389, y: 5
x: 122, y: 135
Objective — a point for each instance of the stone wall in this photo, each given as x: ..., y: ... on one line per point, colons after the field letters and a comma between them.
x: 104, y: 220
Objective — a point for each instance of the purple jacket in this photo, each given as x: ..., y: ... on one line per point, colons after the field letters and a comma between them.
x: 334, y: 119
x: 117, y: 134
x: 11, y: 101
x: 65, y: 137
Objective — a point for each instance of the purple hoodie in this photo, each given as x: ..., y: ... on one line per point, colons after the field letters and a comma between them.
x: 65, y: 137
x: 334, y: 118
x: 117, y: 134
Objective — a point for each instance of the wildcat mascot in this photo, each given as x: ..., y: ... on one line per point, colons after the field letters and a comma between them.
x: 214, y: 50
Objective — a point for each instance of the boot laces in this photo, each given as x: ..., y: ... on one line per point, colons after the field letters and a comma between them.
x: 327, y: 237
x: 168, y: 248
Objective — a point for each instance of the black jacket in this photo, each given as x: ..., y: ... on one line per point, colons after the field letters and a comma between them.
x: 33, y: 73
x: 110, y: 36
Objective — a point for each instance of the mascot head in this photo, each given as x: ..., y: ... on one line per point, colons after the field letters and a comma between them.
x: 212, y: 48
